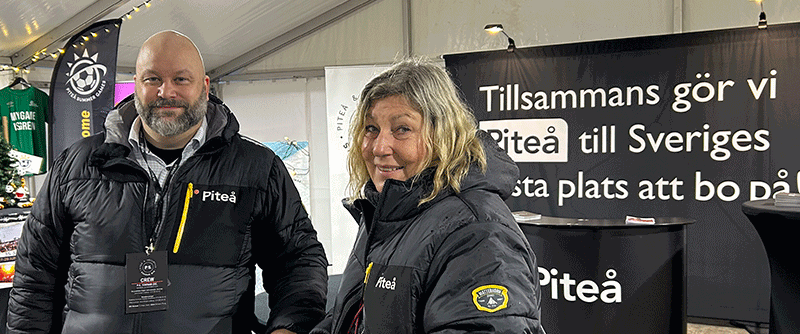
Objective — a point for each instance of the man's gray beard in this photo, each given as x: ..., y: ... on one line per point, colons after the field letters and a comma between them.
x: 192, y: 114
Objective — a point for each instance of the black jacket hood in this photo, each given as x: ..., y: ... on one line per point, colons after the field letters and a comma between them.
x: 399, y: 199
x: 222, y: 125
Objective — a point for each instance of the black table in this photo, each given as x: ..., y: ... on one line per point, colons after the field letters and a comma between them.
x: 605, y: 276
x: 774, y: 226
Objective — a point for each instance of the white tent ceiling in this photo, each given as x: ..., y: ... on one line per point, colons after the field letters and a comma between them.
x: 262, y: 39
x: 231, y: 34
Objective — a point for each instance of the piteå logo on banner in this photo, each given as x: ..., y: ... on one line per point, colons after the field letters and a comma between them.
x: 530, y: 140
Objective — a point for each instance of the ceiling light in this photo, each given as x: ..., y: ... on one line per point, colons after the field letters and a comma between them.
x: 495, y: 28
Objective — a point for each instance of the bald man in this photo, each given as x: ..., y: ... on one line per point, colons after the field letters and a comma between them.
x: 156, y: 225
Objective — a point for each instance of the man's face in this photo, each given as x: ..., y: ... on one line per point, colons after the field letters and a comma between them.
x: 171, y: 117
x: 171, y: 90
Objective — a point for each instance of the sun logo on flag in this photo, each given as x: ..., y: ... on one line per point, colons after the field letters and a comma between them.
x: 85, y: 76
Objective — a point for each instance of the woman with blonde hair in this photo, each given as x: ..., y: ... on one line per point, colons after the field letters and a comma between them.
x: 438, y: 251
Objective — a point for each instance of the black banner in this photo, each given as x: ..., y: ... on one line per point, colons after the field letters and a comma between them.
x: 687, y: 125
x: 82, y: 86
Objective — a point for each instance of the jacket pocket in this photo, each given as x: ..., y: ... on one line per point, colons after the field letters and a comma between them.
x: 387, y: 300
x: 212, y: 224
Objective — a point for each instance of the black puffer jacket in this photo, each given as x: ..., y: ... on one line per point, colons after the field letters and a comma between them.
x: 90, y: 213
x: 456, y: 264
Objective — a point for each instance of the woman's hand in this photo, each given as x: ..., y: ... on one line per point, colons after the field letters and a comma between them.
x: 282, y: 331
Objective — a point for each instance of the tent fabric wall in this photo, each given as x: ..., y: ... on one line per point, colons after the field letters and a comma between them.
x: 370, y: 35
x: 269, y: 110
x: 272, y: 110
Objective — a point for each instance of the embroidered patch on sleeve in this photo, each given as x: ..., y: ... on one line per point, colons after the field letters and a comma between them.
x: 490, y: 298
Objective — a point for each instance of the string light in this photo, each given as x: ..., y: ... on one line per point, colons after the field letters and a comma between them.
x: 136, y: 9
x: 14, y: 68
x: 43, y: 54
x: 39, y: 55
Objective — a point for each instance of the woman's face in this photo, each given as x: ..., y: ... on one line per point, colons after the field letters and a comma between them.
x: 393, y: 145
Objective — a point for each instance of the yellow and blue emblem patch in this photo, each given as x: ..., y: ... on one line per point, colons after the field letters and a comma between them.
x: 490, y: 298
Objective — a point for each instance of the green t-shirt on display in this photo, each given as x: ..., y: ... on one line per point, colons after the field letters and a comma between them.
x: 27, y: 113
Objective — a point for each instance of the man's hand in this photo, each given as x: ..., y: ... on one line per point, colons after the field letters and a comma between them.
x: 282, y: 331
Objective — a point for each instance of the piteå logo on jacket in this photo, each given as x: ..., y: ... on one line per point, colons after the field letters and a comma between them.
x: 384, y: 283
x: 216, y: 196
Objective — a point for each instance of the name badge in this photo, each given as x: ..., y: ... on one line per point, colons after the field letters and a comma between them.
x: 146, y: 278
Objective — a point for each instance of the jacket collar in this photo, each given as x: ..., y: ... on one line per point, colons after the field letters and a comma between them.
x: 222, y: 126
x: 387, y: 211
x: 384, y: 213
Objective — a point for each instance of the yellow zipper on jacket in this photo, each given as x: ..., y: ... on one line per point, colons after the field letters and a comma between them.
x: 189, y: 190
x: 366, y: 273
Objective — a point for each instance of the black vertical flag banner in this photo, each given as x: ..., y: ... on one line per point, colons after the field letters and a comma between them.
x: 689, y: 125
x: 82, y: 86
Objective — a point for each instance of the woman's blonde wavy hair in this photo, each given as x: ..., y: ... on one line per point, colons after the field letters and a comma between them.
x: 448, y: 130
